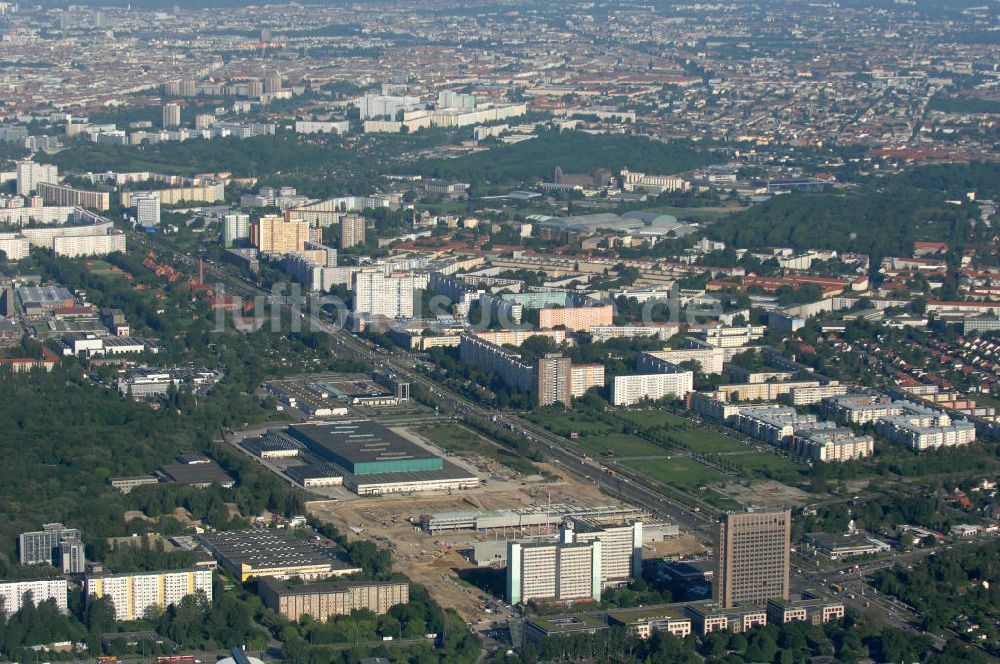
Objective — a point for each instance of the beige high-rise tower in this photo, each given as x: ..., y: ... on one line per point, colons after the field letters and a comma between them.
x: 752, y: 550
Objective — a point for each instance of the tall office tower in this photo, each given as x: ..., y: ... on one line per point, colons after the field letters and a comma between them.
x: 352, y: 230
x: 171, y: 115
x: 255, y: 88
x: 30, y: 174
x: 555, y: 380
x: 752, y: 550
x: 147, y: 209
x: 42, y: 546
x: 274, y: 235
x: 272, y: 84
x: 621, y: 548
x: 560, y: 572
x: 376, y: 294
x: 235, y: 227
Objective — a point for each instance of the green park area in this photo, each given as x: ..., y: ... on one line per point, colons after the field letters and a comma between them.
x: 677, y: 471
x: 696, y: 438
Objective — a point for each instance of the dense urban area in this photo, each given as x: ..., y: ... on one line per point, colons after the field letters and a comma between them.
x: 500, y: 332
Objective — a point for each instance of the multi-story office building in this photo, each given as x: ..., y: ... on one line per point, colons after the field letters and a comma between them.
x: 352, y: 230
x: 56, y: 194
x: 171, y: 115
x: 135, y: 594
x: 31, y: 174
x: 559, y: 572
x: 41, y: 590
x: 274, y: 235
x: 235, y: 229
x: 72, y: 556
x: 752, y: 557
x: 323, y: 600
x: 42, y: 547
x: 147, y: 209
x: 377, y: 294
x: 621, y: 548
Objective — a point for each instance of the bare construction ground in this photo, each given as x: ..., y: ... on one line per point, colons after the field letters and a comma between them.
x: 434, y: 560
x: 764, y: 493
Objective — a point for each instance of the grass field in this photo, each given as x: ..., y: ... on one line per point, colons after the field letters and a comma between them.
x: 623, y: 444
x: 761, y: 461
x: 565, y: 424
x: 678, y: 471
x: 699, y: 439
x: 695, y: 214
x: 455, y: 439
x: 459, y: 440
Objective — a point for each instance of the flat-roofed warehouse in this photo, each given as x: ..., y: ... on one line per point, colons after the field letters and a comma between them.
x: 323, y: 600
x: 377, y: 461
x: 363, y: 447
x: 275, y: 552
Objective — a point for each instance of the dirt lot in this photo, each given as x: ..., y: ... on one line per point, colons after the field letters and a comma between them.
x: 685, y: 545
x: 764, y: 493
x: 432, y: 561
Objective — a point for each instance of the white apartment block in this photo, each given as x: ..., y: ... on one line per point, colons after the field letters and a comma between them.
x: 30, y: 174
x: 921, y: 428
x: 632, y: 180
x: 42, y: 590
x: 602, y: 333
x: 318, y: 127
x: 376, y: 294
x: 724, y: 336
x: 75, y: 246
x: 628, y: 390
x: 135, y: 594
x: 585, y: 376
x: 14, y: 246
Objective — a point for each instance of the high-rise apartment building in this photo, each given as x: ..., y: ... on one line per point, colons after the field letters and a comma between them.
x: 147, y: 209
x: 135, y: 594
x: 171, y: 115
x: 555, y: 380
x: 30, y: 174
x: 560, y: 572
x: 377, y: 294
x: 272, y: 84
x: 235, y: 228
x: 42, y: 547
x: 276, y: 236
x: 752, y: 557
x: 352, y: 230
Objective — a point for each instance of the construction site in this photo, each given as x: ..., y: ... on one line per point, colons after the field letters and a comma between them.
x: 435, y: 538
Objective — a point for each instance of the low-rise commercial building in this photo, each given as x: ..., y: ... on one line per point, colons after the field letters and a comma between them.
x: 642, y: 622
x: 260, y: 552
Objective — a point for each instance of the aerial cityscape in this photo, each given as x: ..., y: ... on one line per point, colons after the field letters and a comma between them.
x: 500, y: 332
